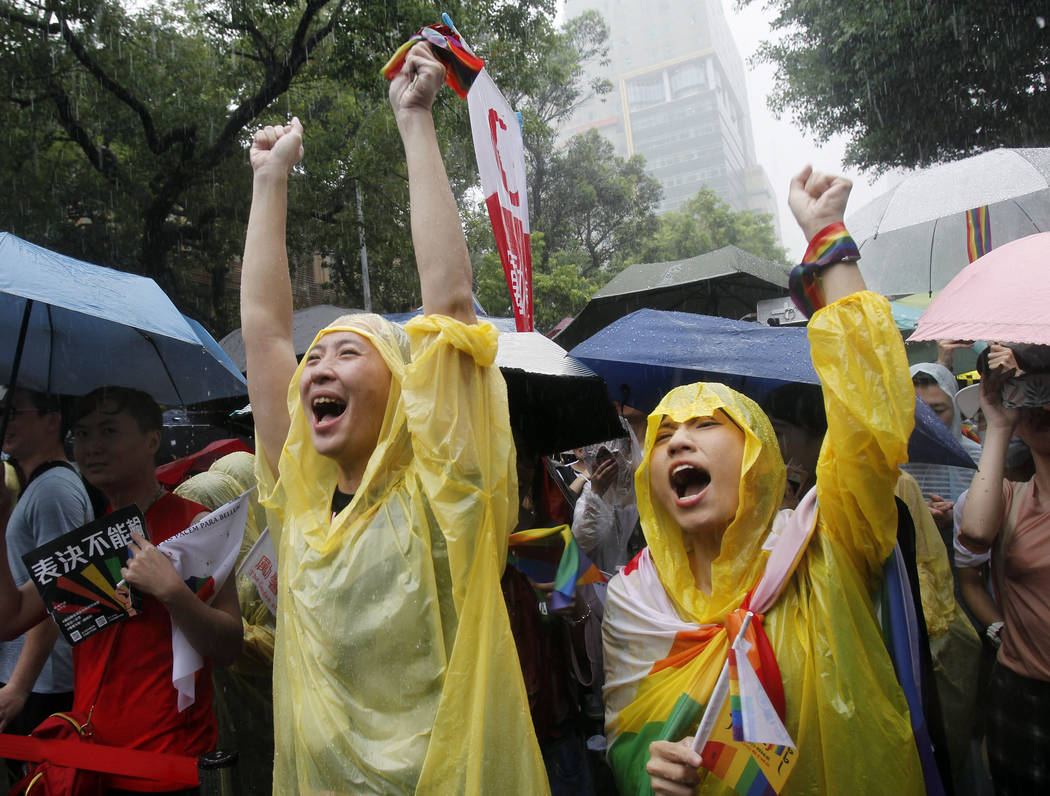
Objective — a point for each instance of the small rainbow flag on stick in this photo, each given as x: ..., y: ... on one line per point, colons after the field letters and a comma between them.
x: 978, y: 232
x: 743, y: 740
x: 536, y: 553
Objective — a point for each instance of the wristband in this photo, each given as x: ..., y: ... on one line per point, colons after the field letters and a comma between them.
x: 829, y: 246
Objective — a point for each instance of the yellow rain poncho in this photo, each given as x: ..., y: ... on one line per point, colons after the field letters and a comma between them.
x: 844, y: 708
x: 395, y: 670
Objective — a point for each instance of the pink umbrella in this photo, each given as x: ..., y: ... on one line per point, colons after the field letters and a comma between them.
x: 1003, y: 296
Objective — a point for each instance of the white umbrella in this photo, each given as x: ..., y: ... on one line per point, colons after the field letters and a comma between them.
x: 913, y: 238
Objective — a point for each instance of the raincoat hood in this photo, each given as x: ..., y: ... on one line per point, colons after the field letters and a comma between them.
x: 762, y: 476
x: 946, y: 381
x: 313, y: 473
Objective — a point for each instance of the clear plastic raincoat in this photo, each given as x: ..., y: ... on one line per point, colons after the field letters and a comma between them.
x: 845, y: 710
x: 395, y: 670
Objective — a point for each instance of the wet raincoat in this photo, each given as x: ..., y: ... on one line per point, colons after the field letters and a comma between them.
x: 395, y: 670
x: 844, y: 708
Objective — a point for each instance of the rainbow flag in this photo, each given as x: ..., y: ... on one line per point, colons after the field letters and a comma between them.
x: 461, y: 65
x: 551, y: 555
x: 978, y: 232
x: 734, y: 697
x: 664, y: 699
x: 753, y: 716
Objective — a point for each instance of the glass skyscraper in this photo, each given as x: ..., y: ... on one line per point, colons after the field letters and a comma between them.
x: 679, y: 99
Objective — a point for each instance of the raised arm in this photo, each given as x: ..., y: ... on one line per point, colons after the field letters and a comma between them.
x: 818, y: 200
x: 982, y: 515
x: 437, y: 234
x: 266, y: 290
x: 868, y: 397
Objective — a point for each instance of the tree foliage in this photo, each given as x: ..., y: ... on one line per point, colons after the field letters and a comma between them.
x: 598, y: 201
x: 706, y: 223
x: 127, y: 127
x: 913, y: 83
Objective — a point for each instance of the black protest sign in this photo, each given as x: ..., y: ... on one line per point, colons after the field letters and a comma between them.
x: 78, y: 574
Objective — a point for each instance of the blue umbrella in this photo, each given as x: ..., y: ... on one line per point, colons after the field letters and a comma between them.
x: 647, y: 353
x: 73, y: 326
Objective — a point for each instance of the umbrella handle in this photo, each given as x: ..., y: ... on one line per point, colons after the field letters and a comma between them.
x: 15, y: 365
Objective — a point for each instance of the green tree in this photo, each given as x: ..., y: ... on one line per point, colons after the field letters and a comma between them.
x: 556, y: 89
x: 558, y: 291
x: 913, y: 83
x: 127, y: 127
x: 705, y: 223
x: 599, y: 202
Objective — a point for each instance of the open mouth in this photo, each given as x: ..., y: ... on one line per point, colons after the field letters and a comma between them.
x: 325, y: 409
x: 689, y: 481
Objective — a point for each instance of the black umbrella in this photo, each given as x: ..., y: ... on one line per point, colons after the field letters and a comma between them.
x: 556, y: 402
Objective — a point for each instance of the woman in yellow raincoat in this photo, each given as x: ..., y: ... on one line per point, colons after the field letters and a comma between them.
x: 387, y: 464
x: 709, y: 489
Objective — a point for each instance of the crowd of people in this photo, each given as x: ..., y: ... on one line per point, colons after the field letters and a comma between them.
x: 415, y: 650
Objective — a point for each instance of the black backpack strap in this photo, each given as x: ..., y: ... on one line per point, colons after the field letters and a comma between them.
x: 43, y: 468
x: 98, y: 501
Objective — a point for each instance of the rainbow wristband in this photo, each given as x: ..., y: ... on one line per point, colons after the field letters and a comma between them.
x: 829, y: 246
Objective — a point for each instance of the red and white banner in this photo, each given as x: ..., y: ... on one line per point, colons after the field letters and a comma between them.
x: 501, y: 162
x: 260, y: 564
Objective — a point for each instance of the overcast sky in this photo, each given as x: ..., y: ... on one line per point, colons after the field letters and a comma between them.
x: 780, y: 146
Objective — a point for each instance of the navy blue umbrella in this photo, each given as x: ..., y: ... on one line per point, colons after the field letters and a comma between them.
x: 647, y: 353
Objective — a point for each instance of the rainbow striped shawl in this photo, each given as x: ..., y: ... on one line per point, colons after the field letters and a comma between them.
x: 661, y: 671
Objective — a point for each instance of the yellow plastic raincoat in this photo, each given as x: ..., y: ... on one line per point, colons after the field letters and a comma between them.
x: 845, y: 710
x: 395, y: 670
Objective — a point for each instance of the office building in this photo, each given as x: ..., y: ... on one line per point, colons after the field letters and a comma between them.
x: 679, y: 99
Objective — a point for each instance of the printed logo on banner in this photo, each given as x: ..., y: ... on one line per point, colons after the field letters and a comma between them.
x: 260, y: 565
x: 500, y: 152
x: 495, y: 125
x: 78, y: 574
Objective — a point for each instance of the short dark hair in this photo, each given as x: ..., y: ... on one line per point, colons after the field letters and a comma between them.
x: 136, y: 403
x: 44, y: 403
x: 800, y: 405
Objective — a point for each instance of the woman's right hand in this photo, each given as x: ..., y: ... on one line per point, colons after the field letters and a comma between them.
x: 1001, y: 366
x: 673, y: 767
x: 277, y: 148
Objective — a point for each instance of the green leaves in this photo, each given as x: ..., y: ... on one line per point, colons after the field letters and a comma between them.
x: 913, y: 83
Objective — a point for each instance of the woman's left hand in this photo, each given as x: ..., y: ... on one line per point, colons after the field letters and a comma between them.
x: 417, y: 84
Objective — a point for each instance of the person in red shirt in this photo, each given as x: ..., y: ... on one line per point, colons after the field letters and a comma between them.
x: 122, y: 677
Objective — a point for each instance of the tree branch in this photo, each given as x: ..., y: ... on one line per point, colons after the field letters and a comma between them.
x: 245, y: 26
x: 278, y: 78
x: 34, y: 23
x: 156, y: 144
x: 101, y: 157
